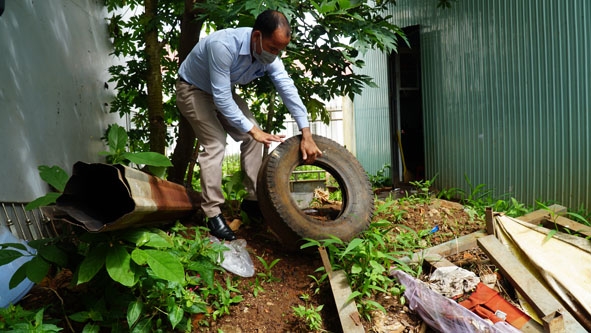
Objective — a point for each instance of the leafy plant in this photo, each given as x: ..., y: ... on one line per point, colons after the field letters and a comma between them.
x: 233, y: 189
x: 226, y: 297
x: 256, y: 287
x: 267, y: 274
x: 57, y: 178
x: 381, y: 178
x: 512, y: 207
x: 117, y: 142
x: 16, y: 319
x: 367, y: 261
x: 389, y: 209
x: 156, y: 280
x: 423, y: 187
x: 319, y: 281
x: 310, y: 314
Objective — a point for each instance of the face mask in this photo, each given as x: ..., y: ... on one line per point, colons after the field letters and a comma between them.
x: 265, y: 57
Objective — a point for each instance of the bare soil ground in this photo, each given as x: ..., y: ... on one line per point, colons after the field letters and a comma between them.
x: 271, y: 309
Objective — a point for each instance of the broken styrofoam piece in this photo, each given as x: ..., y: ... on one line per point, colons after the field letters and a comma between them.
x: 452, y: 281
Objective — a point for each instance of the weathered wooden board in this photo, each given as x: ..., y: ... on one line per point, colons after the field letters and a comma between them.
x: 571, y: 225
x: 448, y: 248
x: 539, y: 215
x: 536, y: 294
x: 347, y: 309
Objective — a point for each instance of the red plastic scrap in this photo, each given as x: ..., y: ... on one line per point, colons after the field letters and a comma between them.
x: 485, y: 302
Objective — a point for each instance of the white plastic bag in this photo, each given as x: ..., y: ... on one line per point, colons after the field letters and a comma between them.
x: 442, y: 313
x: 236, y: 258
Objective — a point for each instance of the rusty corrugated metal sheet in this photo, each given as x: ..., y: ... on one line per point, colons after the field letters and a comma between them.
x: 103, y: 197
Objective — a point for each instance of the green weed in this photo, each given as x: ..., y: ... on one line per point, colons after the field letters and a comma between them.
x: 310, y: 314
x: 381, y: 178
x: 16, y: 319
x: 267, y: 274
x: 367, y: 261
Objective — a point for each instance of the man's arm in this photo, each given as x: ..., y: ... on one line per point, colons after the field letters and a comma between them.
x: 309, y: 149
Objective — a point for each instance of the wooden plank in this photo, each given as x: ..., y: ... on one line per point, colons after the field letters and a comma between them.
x: 533, y: 291
x: 536, y: 294
x: 539, y: 215
x: 570, y: 225
x: 341, y: 291
x: 350, y: 320
x: 448, y: 248
x: 489, y: 219
x: 554, y: 323
x: 438, y: 261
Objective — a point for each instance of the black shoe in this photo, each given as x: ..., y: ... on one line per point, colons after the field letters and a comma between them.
x: 252, y: 210
x: 218, y: 228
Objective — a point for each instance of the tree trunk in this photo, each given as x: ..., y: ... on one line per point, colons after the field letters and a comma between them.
x: 157, y: 127
x: 183, y: 151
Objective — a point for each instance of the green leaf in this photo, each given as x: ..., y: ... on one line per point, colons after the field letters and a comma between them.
x: 91, y: 328
x: 54, y: 176
x: 117, y: 137
x: 118, y: 263
x: 356, y: 269
x: 53, y: 254
x: 139, y: 256
x: 139, y: 236
x: 159, y: 240
x: 7, y: 256
x: 175, y: 315
x: 145, y: 325
x: 157, y: 171
x: 134, y: 310
x: 164, y: 264
x: 550, y: 235
x: 152, y: 238
x: 205, y: 268
x: 46, y: 200
x: 148, y: 158
x: 37, y: 269
x: 80, y: 317
x: 352, y: 245
x: 19, y: 276
x: 18, y: 246
x: 92, y: 263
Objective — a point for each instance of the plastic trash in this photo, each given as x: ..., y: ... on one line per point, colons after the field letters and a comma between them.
x: 12, y: 296
x: 442, y: 313
x: 236, y: 258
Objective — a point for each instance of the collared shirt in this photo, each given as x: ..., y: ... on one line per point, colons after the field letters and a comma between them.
x: 222, y: 60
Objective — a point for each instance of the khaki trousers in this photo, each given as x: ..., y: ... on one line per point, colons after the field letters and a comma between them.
x: 210, y: 128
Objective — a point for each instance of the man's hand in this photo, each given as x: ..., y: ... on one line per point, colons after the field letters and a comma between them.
x: 310, y: 151
x: 264, y: 137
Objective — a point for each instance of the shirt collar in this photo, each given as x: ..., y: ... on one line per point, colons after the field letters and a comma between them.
x: 245, y: 48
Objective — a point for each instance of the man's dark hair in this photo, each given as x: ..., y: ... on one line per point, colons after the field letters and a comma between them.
x: 270, y: 20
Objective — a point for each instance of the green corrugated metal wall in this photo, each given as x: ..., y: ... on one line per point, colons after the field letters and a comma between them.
x: 506, y: 97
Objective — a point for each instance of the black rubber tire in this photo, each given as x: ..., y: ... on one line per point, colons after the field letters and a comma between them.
x: 282, y: 214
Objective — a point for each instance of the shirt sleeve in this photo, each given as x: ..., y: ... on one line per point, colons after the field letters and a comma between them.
x: 220, y: 62
x: 289, y: 93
